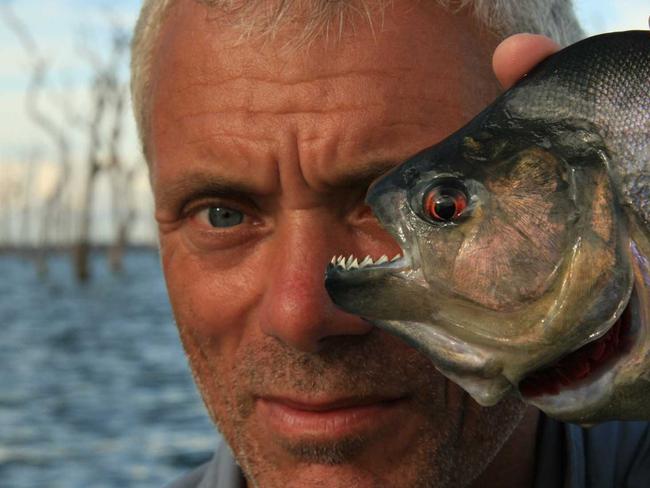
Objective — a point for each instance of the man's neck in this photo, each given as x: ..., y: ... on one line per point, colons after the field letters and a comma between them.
x: 515, y: 464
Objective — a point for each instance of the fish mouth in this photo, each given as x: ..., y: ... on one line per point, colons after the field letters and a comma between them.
x: 363, y: 271
x: 353, y: 264
x: 354, y: 283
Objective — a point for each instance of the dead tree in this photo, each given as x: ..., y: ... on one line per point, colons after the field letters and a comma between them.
x: 81, y: 248
x: 55, y: 131
x: 9, y: 187
x: 26, y: 227
x: 105, y: 132
x: 121, y: 176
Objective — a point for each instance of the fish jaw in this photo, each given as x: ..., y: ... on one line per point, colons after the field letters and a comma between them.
x: 373, y: 290
x: 474, y: 370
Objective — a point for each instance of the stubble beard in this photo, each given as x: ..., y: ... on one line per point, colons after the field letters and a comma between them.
x: 455, y: 443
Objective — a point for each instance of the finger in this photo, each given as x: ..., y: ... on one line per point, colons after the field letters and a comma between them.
x: 517, y: 54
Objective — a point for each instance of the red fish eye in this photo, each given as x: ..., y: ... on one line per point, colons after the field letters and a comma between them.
x: 444, y: 203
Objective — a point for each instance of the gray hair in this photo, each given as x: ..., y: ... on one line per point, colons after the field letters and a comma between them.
x: 553, y: 18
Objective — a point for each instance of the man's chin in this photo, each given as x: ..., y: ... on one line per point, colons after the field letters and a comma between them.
x: 328, y: 453
x: 320, y: 475
x: 347, y: 462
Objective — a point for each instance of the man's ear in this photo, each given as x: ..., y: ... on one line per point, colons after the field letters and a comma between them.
x: 517, y: 54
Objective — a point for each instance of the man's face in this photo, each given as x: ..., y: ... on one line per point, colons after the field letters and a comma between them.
x: 260, y: 160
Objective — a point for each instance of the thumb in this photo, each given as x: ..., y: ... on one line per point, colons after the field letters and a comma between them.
x: 517, y: 54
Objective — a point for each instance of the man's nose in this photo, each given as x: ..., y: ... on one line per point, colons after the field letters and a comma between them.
x: 296, y: 308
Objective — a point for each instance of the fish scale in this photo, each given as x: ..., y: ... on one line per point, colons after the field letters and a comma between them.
x: 605, y: 81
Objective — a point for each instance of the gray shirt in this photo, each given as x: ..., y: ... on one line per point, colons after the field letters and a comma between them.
x: 609, y: 455
x: 220, y: 472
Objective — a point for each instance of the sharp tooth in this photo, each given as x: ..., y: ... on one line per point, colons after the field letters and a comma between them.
x: 340, y: 262
x: 348, y: 262
x: 333, y: 261
x: 382, y: 260
x: 366, y: 261
x: 354, y: 264
x: 397, y: 256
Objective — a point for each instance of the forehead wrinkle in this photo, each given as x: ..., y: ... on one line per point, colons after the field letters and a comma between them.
x: 252, y: 98
x: 197, y: 127
x: 313, y: 92
x: 231, y: 136
x: 280, y: 77
x: 251, y: 111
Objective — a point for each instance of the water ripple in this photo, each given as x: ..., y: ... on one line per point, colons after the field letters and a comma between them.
x: 96, y: 391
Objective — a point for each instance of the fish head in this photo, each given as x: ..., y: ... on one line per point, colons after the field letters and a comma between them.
x: 514, y: 257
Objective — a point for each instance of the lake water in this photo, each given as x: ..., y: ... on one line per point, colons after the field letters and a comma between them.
x: 95, y: 390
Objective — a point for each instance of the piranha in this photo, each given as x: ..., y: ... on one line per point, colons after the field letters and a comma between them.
x: 526, y: 241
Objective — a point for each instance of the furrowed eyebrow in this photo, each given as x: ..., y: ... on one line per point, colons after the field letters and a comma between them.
x: 194, y: 185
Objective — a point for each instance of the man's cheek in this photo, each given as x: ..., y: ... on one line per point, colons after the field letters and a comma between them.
x: 212, y: 302
x: 214, y: 383
x: 210, y: 329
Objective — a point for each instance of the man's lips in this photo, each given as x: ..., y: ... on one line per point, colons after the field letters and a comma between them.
x: 331, y: 419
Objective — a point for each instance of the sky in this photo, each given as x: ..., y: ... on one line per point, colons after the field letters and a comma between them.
x: 62, y: 27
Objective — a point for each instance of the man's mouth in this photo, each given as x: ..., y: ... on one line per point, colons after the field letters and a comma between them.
x: 582, y: 364
x: 332, y: 419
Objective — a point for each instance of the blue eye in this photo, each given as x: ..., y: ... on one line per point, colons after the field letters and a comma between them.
x: 224, y: 217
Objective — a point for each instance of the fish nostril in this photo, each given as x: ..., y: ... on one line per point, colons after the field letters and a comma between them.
x: 410, y: 175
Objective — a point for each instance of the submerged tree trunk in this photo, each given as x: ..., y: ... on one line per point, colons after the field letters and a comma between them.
x: 54, y: 131
x: 121, y: 176
x: 82, y: 245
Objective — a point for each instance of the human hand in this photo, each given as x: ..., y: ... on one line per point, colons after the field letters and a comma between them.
x: 517, y: 54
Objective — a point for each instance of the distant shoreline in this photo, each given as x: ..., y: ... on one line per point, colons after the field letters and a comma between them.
x: 28, y: 251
